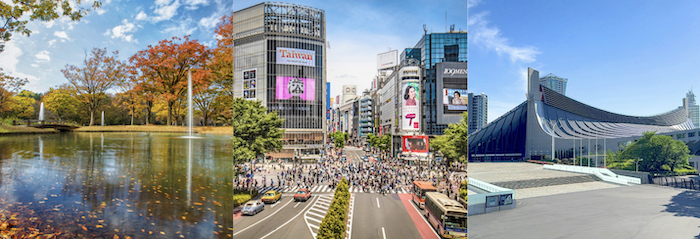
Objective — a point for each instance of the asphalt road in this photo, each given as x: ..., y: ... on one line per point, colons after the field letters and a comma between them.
x: 353, y: 154
x: 284, y: 220
x: 381, y: 216
x: 644, y: 211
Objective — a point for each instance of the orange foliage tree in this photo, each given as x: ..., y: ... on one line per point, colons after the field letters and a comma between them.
x: 99, y: 73
x: 167, y: 65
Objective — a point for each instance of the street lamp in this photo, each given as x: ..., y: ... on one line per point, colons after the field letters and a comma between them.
x: 636, y: 168
x: 551, y: 127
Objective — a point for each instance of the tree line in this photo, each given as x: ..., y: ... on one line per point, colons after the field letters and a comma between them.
x: 148, y: 88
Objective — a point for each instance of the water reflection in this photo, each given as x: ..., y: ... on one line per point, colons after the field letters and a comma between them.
x: 134, y: 184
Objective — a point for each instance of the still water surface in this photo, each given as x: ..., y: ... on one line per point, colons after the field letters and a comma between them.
x: 97, y: 185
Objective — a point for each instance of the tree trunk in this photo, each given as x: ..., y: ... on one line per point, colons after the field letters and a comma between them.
x: 92, y: 117
x: 170, y: 112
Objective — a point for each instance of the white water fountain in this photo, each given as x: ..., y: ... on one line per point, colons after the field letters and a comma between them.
x: 41, y: 112
x: 190, y: 114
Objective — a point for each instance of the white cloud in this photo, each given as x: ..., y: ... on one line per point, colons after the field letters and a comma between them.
x: 43, y: 55
x: 481, y: 34
x: 194, y: 4
x: 121, y: 31
x: 141, y: 16
x: 35, y: 65
x: 209, y: 22
x: 183, y: 28
x: 100, y: 11
x: 51, y: 42
x: 8, y: 62
x: 48, y: 24
x: 164, y: 11
x: 61, y: 34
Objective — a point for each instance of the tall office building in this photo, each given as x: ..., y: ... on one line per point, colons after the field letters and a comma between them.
x: 440, y: 48
x: 478, y: 111
x: 555, y: 83
x: 692, y: 108
x: 280, y: 59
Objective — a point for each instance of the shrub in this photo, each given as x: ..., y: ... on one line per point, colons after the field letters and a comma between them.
x: 239, y: 199
x: 333, y: 224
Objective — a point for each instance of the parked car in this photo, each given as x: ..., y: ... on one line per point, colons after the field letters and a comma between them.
x: 271, y: 196
x: 253, y: 207
x: 302, y: 195
x: 364, y: 158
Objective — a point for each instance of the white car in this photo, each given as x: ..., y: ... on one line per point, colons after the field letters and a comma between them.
x: 253, y: 207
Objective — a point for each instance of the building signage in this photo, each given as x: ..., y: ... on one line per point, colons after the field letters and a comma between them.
x: 454, y: 99
x: 410, y: 106
x: 453, y: 71
x: 295, y: 88
x: 387, y: 60
x: 250, y: 77
x: 293, y: 56
x: 415, y: 143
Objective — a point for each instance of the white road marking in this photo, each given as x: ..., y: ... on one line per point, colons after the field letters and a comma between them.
x: 426, y: 221
x: 261, y: 220
x: 290, y: 220
x: 383, y: 233
x: 378, y: 203
x: 295, y: 206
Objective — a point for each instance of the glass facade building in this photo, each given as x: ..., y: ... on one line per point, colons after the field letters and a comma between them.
x: 555, y: 83
x: 284, y: 44
x: 435, y: 48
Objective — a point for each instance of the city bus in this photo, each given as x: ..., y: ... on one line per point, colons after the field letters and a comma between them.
x: 447, y: 216
x: 419, y: 190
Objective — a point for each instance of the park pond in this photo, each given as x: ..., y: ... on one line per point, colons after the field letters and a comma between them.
x: 116, y: 185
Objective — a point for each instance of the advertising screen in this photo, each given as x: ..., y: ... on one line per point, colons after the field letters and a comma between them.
x: 417, y: 143
x: 291, y: 88
x: 454, y: 99
x: 410, y: 106
x: 293, y: 56
x: 249, y: 84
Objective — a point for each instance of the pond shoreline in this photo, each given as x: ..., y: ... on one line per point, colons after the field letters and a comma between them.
x: 219, y: 130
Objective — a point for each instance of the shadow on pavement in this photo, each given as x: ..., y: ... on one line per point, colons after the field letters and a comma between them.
x: 685, y: 204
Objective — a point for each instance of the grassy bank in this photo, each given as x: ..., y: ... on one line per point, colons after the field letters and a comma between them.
x: 9, y: 129
x: 156, y: 128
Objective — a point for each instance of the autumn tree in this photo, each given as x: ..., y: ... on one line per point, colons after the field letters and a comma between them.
x: 22, y: 105
x: 205, y: 96
x: 130, y: 96
x: 8, y: 87
x: 221, y: 64
x: 98, y: 74
x: 13, y: 14
x: 168, y: 63
x: 61, y: 101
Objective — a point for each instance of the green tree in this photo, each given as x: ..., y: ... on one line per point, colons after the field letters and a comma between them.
x: 658, y: 153
x: 44, y: 10
x: 453, y: 144
x: 61, y: 101
x: 339, y: 139
x: 255, y: 131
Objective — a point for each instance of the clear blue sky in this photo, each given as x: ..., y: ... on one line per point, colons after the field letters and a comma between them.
x: 124, y: 25
x: 359, y: 30
x: 631, y: 57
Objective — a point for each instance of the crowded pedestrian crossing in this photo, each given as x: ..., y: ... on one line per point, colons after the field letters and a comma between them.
x: 327, y: 189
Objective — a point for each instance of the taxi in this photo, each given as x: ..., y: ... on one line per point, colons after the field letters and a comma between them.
x: 302, y: 195
x: 271, y: 196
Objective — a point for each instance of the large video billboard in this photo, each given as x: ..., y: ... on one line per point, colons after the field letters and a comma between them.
x: 387, y: 60
x: 293, y: 56
x: 415, y: 143
x: 250, y: 77
x: 454, y: 100
x: 410, y: 106
x: 290, y: 88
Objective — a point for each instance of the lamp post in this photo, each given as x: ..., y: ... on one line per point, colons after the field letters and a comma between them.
x: 551, y: 127
x: 636, y: 168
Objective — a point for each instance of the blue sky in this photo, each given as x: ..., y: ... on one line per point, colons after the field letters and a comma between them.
x: 630, y: 57
x: 359, y: 30
x: 124, y: 25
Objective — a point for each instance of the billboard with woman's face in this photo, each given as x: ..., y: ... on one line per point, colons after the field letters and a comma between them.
x: 417, y: 143
x: 454, y: 99
x: 410, y: 106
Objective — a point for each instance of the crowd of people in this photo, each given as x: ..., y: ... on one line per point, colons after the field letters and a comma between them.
x: 380, y: 176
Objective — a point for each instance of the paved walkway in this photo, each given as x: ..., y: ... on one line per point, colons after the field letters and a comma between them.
x: 532, y: 180
x: 643, y: 211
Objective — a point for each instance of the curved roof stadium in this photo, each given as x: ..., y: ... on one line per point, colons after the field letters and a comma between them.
x: 512, y: 136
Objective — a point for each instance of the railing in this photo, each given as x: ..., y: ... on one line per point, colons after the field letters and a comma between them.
x: 676, y: 182
x: 602, y: 173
